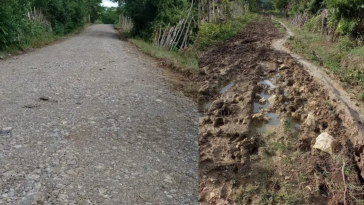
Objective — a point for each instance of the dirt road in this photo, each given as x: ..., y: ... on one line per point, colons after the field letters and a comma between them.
x: 92, y: 121
x: 263, y: 111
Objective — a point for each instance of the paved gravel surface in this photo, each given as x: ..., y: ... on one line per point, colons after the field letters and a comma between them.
x: 91, y: 120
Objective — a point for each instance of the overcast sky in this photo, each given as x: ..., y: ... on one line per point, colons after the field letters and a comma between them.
x: 108, y: 3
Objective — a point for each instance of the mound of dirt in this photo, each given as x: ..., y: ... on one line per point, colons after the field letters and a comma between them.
x: 262, y: 115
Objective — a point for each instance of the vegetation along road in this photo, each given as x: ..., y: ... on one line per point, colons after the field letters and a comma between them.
x: 91, y: 120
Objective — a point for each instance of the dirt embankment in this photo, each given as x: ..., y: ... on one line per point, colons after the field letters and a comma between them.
x: 262, y: 114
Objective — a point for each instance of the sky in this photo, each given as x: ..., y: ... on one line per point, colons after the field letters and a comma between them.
x: 108, y: 3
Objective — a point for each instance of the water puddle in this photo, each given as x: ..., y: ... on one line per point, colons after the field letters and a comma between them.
x: 267, y: 83
x: 273, y: 121
x: 264, y: 94
x: 261, y: 127
x: 224, y: 89
x: 259, y: 105
x: 273, y: 117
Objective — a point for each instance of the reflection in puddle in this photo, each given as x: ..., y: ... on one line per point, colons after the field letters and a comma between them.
x: 273, y: 117
x: 267, y: 82
x: 224, y: 89
x: 257, y: 105
x: 273, y: 121
x: 262, y: 127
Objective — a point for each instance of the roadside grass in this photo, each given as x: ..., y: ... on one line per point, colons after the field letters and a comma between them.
x: 212, y: 33
x: 176, y: 58
x: 38, y: 40
x: 342, y: 58
x: 183, y: 63
x: 279, y: 27
x: 34, y: 42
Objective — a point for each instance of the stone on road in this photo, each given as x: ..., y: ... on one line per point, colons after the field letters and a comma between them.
x: 93, y: 121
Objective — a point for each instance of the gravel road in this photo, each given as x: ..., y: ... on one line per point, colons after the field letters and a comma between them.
x: 91, y: 120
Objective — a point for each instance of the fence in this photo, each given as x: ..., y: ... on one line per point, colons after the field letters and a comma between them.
x: 218, y: 10
x: 37, y: 15
x: 176, y: 36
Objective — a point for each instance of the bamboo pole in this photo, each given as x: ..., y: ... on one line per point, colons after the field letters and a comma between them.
x: 164, y: 37
x: 184, y: 24
x: 178, y: 27
x: 184, y: 42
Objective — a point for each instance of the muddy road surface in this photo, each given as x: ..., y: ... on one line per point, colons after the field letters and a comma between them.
x: 91, y: 120
x: 262, y: 112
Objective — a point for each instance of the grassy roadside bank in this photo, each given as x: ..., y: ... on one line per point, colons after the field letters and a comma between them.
x: 342, y: 59
x: 212, y: 33
x: 182, y: 64
x: 38, y: 41
x: 178, y: 60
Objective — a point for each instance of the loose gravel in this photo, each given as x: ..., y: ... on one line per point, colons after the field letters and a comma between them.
x: 91, y: 120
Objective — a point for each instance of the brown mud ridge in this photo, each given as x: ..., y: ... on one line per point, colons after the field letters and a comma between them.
x: 262, y: 114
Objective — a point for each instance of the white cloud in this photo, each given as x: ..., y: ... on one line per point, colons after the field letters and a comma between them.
x: 108, y: 3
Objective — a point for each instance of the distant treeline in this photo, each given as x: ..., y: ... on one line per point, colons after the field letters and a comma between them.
x: 149, y: 16
x: 23, y: 20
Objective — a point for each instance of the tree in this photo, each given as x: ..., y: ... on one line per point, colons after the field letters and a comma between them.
x: 282, y: 6
x: 149, y: 15
x: 21, y: 20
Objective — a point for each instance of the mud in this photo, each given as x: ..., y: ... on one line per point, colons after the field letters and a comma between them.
x: 256, y: 137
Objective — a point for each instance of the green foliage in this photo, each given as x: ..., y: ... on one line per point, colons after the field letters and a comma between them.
x: 313, y: 24
x: 149, y: 15
x: 345, y: 16
x: 281, y: 5
x: 24, y: 22
x: 109, y: 16
x: 252, y: 5
x: 174, y: 57
x: 345, y: 44
x: 264, y: 4
x: 345, y: 25
x: 211, y: 33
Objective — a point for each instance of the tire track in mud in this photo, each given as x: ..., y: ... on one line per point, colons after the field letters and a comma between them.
x: 254, y: 149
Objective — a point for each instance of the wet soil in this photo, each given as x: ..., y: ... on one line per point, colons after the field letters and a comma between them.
x: 256, y: 135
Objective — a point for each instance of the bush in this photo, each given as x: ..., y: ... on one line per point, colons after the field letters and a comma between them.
x: 211, y: 33
x: 23, y: 22
x: 345, y: 44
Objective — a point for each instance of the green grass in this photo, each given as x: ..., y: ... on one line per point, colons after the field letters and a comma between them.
x: 279, y: 146
x: 279, y: 27
x: 287, y: 125
x: 38, y: 39
x: 342, y: 58
x: 176, y: 58
x: 212, y: 33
